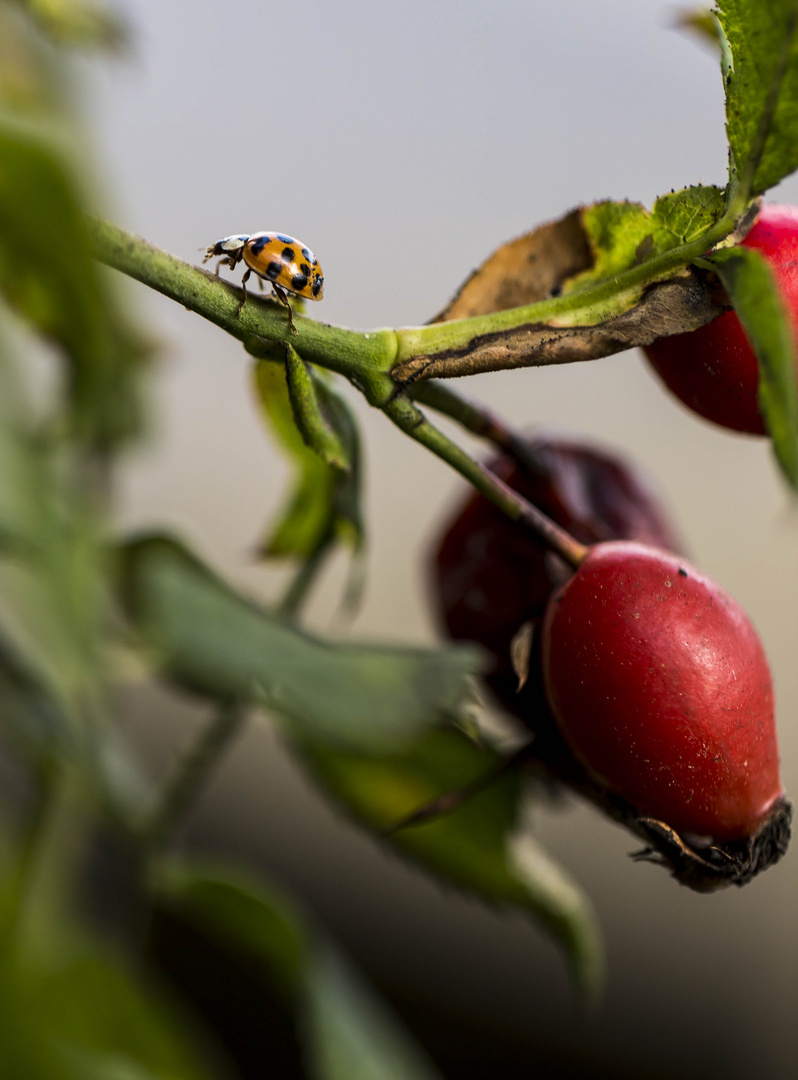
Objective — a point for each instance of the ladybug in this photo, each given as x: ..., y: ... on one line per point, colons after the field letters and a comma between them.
x: 284, y: 262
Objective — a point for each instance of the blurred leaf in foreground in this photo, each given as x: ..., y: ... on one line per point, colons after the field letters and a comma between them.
x: 49, y: 278
x: 86, y: 24
x: 325, y: 503
x: 214, y: 641
x: 347, y: 1033
x: 52, y: 592
x: 478, y: 847
x: 77, y: 1014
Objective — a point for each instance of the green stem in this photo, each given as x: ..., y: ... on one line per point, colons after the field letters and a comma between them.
x: 413, y: 422
x: 198, y: 762
x: 366, y: 358
x: 478, y: 420
x: 363, y: 357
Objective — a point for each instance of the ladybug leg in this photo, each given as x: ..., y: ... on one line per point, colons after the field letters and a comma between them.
x: 280, y: 294
x: 244, y: 281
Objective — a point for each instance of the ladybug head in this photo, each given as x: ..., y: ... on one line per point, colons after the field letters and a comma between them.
x: 230, y: 246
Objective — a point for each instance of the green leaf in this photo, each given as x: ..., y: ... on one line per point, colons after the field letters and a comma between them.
x: 211, y: 639
x: 754, y: 294
x: 48, y: 276
x: 615, y: 232
x: 248, y: 916
x: 52, y: 588
x: 23, y: 1051
x: 326, y: 501
x: 351, y: 1034
x: 760, y: 68
x: 623, y: 235
x: 683, y: 216
x: 314, y: 427
x: 30, y: 718
x: 347, y: 497
x: 347, y: 1032
x: 73, y: 1012
x: 110, y: 1025
x: 477, y: 847
x: 306, y: 521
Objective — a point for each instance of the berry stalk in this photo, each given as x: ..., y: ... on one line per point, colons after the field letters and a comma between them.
x: 413, y: 422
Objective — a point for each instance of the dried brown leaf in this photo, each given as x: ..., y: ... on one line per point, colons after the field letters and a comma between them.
x: 524, y: 271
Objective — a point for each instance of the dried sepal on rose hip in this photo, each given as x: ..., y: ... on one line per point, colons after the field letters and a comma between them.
x: 662, y: 691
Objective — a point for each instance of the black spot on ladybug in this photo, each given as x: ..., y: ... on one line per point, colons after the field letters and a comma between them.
x: 305, y: 269
x: 285, y: 239
x: 317, y: 286
x: 288, y: 254
x: 273, y: 270
x: 299, y: 282
x: 306, y: 254
x: 258, y: 245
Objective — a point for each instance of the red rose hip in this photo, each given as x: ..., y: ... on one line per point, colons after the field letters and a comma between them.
x: 713, y: 370
x: 662, y: 690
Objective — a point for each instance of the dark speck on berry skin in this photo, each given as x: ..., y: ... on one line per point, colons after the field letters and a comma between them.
x: 285, y: 239
x: 682, y: 572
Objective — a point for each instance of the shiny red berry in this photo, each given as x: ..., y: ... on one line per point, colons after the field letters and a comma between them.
x: 661, y: 688
x: 713, y: 370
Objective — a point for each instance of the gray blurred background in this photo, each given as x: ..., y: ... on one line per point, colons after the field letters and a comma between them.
x: 404, y: 142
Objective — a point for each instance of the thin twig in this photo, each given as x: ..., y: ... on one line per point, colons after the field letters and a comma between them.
x: 198, y: 762
x: 368, y: 358
x: 479, y: 421
x: 303, y: 578
x: 413, y: 422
